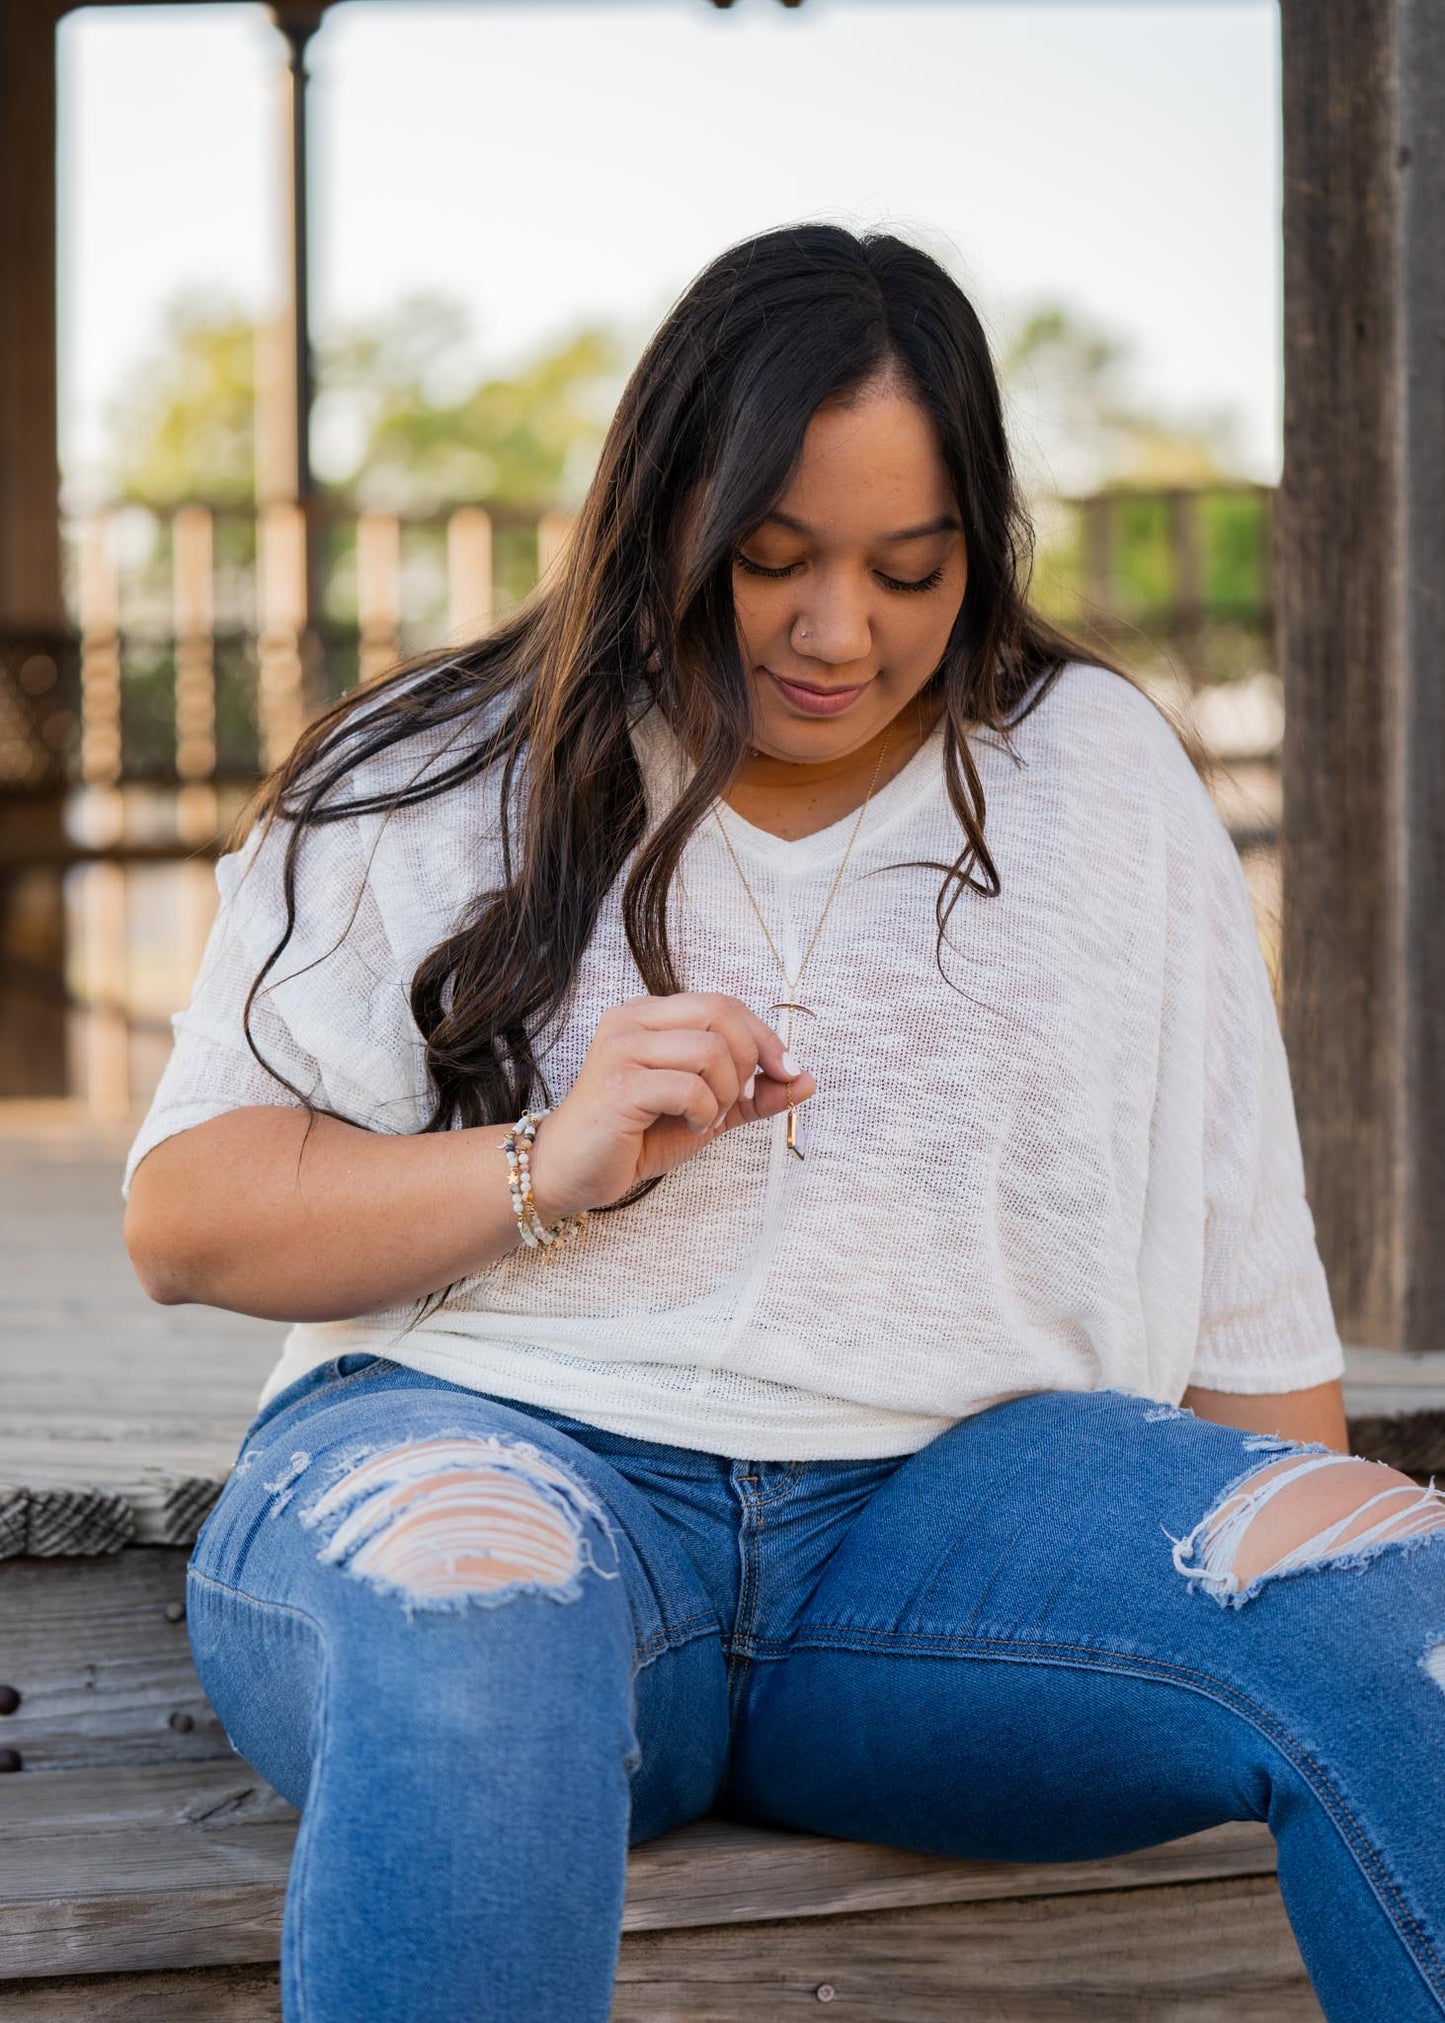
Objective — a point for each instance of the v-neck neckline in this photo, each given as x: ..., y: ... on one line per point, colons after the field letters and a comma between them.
x: 666, y: 766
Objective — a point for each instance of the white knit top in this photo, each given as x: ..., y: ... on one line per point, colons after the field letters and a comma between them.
x: 1068, y: 1161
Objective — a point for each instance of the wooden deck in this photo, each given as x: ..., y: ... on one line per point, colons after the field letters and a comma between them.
x: 118, y: 1418
x: 143, y: 1865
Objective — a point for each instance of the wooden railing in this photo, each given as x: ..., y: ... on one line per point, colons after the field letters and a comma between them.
x: 205, y: 637
x: 208, y: 636
x: 202, y: 672
x: 1178, y: 577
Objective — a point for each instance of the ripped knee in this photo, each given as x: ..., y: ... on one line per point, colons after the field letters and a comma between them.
x: 459, y: 1518
x: 1308, y: 1508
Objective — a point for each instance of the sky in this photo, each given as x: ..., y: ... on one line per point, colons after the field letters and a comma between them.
x: 548, y: 162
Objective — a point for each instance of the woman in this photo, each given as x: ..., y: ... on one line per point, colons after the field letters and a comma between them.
x: 749, y: 1224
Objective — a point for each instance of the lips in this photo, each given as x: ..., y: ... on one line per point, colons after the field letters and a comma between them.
x: 814, y: 701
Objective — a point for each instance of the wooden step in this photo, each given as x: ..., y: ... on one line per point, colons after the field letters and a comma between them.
x: 1194, y: 1953
x: 143, y: 1870
x: 97, y: 1650
x: 143, y: 1865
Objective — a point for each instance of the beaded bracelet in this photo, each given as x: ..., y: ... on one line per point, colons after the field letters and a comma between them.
x: 517, y: 1145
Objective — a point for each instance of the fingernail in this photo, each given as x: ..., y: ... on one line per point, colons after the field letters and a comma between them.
x: 750, y: 1084
x: 790, y: 1066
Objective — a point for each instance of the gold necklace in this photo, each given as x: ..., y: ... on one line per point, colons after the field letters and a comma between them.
x: 791, y: 1002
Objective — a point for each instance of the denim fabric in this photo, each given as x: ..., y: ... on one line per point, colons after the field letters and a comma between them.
x: 982, y: 1648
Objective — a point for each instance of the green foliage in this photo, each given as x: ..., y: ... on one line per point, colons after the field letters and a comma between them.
x: 1143, y: 557
x: 530, y: 437
x: 406, y: 422
x: 402, y: 424
x: 1078, y: 419
x: 182, y: 425
x: 1236, y: 533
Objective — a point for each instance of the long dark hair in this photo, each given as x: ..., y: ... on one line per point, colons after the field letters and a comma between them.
x: 706, y: 436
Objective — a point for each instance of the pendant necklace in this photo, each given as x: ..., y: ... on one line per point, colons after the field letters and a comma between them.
x: 792, y: 1003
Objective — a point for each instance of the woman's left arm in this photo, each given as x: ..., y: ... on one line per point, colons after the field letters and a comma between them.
x: 1317, y: 1413
x: 1268, y: 1357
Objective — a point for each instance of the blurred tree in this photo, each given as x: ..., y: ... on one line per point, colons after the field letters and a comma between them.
x: 182, y: 423
x: 403, y: 420
x: 413, y: 429
x: 1078, y: 422
x: 407, y: 422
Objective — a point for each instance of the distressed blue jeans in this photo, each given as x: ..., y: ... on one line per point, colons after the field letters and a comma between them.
x: 483, y: 1647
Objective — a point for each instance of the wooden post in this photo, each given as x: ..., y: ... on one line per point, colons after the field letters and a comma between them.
x: 1099, y: 564
x: 554, y: 530
x: 284, y: 385
x: 37, y: 666
x: 378, y: 593
x: 470, y: 602
x: 100, y: 723
x: 100, y: 1029
x: 29, y: 463
x: 1186, y: 555
x: 1360, y: 532
x: 281, y: 625
x: 193, y: 598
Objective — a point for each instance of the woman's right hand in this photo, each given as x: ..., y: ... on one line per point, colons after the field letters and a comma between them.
x: 663, y: 1077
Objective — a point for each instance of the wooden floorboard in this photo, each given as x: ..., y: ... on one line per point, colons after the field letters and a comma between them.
x: 98, y: 1652
x: 1204, y: 1953
x: 203, y: 1995
x: 185, y: 1865
x: 85, y: 1348
x: 1207, y: 1953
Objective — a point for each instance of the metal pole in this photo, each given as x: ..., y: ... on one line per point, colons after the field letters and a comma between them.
x: 298, y: 21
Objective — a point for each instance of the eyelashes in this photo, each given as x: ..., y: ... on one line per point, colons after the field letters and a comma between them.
x: 929, y: 582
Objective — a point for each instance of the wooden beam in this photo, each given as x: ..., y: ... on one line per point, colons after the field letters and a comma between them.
x: 1360, y: 530
x: 36, y: 665
x: 129, y: 1867
x: 30, y: 595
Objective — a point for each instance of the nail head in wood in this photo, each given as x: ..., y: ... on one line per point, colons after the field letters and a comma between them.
x: 9, y: 1699
x: 175, y: 1612
x: 10, y: 1759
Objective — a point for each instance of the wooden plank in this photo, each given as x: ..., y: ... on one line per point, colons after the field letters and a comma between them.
x: 378, y: 593
x: 59, y: 1518
x: 204, y: 1995
x: 1207, y: 1953
x: 193, y: 604
x: 716, y: 1872
x: 31, y: 598
x: 470, y: 596
x: 180, y: 1865
x: 97, y: 1650
x: 1360, y: 527
x: 204, y: 1897
x: 124, y: 1798
x: 281, y: 595
x: 98, y: 1494
x: 1396, y: 1407
x: 84, y: 1355
x: 1202, y: 1953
